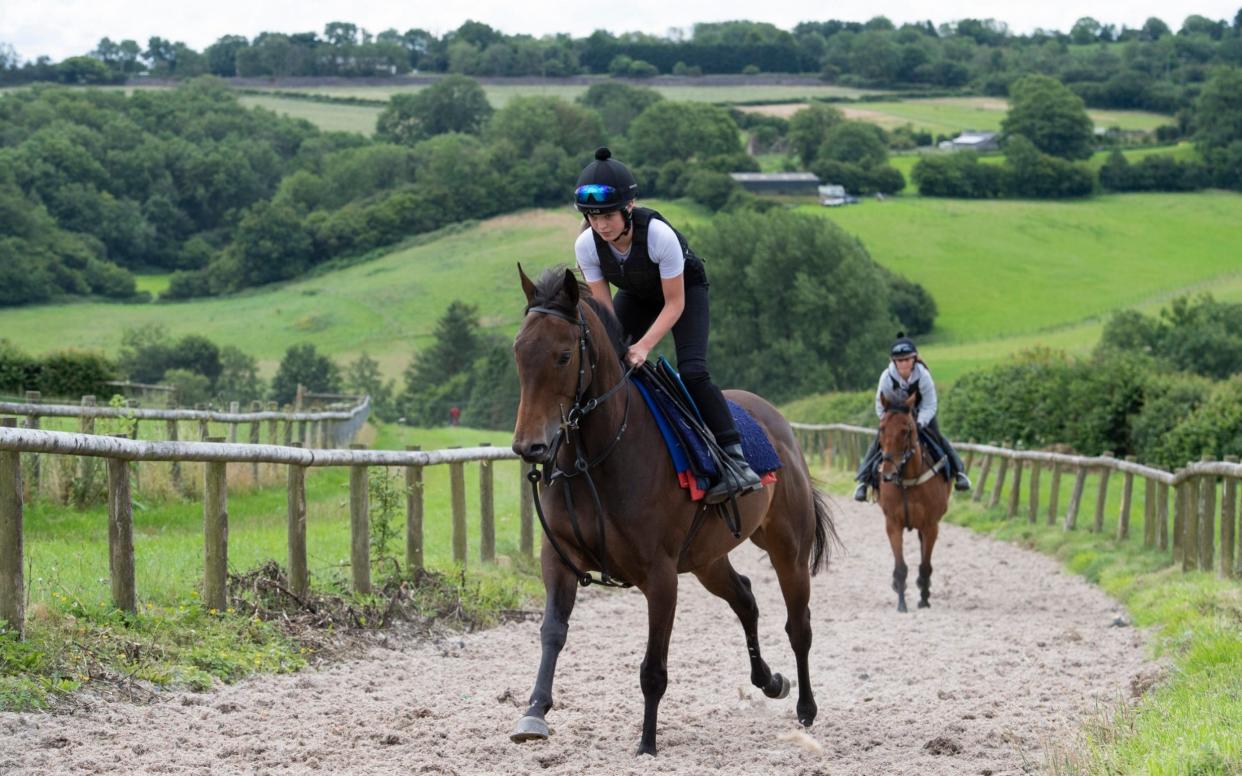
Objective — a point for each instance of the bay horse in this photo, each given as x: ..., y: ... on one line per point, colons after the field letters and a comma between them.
x: 913, y: 494
x: 612, y: 503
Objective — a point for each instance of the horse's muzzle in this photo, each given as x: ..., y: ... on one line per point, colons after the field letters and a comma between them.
x: 532, y: 452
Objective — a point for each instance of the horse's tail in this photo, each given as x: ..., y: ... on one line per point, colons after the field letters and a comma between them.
x: 825, y: 532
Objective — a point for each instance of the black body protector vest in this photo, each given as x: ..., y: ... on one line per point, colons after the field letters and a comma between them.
x: 638, y: 274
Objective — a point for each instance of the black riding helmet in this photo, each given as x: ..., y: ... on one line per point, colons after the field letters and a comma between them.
x: 903, y: 346
x: 605, y: 185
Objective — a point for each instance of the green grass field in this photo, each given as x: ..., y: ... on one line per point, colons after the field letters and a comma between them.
x: 331, y: 117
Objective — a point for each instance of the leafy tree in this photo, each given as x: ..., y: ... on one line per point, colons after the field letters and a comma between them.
x: 713, y: 189
x: 362, y: 376
x: 302, y: 364
x: 691, y: 131
x: 271, y: 244
x: 1217, y: 117
x: 239, y: 376
x: 618, y: 104
x: 527, y: 122
x: 1029, y: 173
x: 857, y: 142
x: 809, y: 127
x: 439, y: 376
x: 1051, y: 116
x: 196, y: 353
x: 799, y: 305
x: 1085, y: 30
x: 453, y: 104
x: 146, y: 353
x: 192, y: 388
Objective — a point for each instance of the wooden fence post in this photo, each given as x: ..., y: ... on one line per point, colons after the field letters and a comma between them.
x: 457, y: 477
x: 216, y: 534
x: 526, y: 499
x: 970, y: 459
x: 414, y: 514
x: 121, y: 536
x: 12, y: 583
x: 1054, y: 494
x: 289, y: 423
x: 1032, y: 515
x: 299, y: 577
x: 1179, y: 512
x: 1071, y: 514
x: 254, y: 440
x: 32, y: 422
x: 203, y: 430
x: 170, y: 431
x: 87, y: 466
x: 1207, y: 520
x: 1101, y: 496
x: 1162, y: 515
x: 273, y: 431
x: 359, y: 525
x: 234, y: 408
x: 1127, y: 493
x: 487, y: 511
x: 1015, y: 488
x: 1000, y: 482
x: 1228, y: 534
x: 1149, y: 512
x: 983, y: 478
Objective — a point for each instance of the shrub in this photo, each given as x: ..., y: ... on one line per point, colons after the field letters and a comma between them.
x: 957, y: 175
x: 72, y: 373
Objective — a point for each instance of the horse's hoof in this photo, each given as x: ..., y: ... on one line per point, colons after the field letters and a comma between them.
x: 924, y: 604
x: 644, y: 749
x: 529, y: 729
x: 901, y: 607
x: 806, y: 722
x: 777, y: 688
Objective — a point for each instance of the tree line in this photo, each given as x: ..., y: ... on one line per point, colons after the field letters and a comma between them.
x: 1149, y: 67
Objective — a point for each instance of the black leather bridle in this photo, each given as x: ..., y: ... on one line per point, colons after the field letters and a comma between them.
x: 571, y: 432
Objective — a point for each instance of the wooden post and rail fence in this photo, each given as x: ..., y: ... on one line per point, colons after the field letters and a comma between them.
x: 216, y: 453
x: 1193, y: 539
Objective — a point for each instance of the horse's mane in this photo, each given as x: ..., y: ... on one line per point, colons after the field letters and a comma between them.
x: 550, y: 292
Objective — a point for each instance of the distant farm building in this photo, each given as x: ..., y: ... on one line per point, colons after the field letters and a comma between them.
x: 973, y: 141
x: 787, y: 183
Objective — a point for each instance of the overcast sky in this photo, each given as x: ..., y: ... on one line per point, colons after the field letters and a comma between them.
x: 61, y: 28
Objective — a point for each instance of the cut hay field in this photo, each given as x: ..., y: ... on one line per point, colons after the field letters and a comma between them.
x: 1006, y: 275
x: 331, y: 117
x: 949, y: 115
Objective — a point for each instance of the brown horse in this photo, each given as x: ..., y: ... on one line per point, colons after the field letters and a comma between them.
x: 612, y: 504
x: 913, y: 494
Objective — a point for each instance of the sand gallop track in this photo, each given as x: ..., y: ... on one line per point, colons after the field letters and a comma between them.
x: 1011, y: 656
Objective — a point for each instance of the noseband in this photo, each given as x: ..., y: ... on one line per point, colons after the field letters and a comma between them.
x: 895, y: 475
x: 571, y: 431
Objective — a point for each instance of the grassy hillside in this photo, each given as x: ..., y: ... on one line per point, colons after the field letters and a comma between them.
x: 332, y: 117
x: 1007, y: 275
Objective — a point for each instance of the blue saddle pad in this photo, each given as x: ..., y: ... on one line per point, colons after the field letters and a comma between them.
x: 688, y: 449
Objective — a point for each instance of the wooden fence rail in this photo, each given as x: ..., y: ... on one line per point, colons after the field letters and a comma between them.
x: 120, y: 452
x: 1193, y: 541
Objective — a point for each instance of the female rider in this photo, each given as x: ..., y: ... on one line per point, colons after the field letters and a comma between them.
x: 905, y: 375
x: 661, y: 287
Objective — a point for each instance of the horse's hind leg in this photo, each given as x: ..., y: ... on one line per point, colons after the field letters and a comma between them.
x: 721, y: 579
x: 927, y: 540
x: 793, y: 571
x: 900, y: 569
x: 562, y: 591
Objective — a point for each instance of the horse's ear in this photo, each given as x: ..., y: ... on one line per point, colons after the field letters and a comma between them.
x: 571, y: 287
x: 884, y: 400
x: 911, y: 399
x: 528, y: 287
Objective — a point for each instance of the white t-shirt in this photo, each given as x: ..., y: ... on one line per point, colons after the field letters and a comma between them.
x: 662, y: 246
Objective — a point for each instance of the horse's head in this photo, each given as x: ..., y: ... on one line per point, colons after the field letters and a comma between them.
x: 558, y: 358
x: 898, y: 434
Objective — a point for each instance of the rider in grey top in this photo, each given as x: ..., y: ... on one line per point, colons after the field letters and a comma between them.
x: 907, y: 374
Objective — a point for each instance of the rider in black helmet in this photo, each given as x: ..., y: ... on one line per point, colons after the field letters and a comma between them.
x: 661, y: 287
x: 906, y: 374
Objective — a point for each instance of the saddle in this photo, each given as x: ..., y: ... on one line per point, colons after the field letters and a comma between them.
x: 689, y: 443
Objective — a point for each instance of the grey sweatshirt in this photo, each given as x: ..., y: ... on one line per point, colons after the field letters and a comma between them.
x: 927, y: 391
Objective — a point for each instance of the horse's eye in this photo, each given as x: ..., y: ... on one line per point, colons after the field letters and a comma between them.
x: 564, y: 359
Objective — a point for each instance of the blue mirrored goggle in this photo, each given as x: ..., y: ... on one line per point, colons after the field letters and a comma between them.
x: 594, y: 193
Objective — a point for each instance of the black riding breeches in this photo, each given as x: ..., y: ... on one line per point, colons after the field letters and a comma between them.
x: 690, y: 338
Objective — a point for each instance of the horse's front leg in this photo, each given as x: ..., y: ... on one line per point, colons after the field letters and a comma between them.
x: 661, y: 592
x: 899, y: 562
x: 927, y: 540
x: 562, y: 591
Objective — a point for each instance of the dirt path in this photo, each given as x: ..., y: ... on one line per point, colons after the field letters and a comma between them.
x: 1012, y: 654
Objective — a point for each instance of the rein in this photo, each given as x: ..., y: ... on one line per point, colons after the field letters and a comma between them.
x: 571, y: 432
x: 895, y: 478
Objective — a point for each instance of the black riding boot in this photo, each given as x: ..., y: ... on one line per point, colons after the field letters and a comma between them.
x: 866, y: 470
x: 736, y: 477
